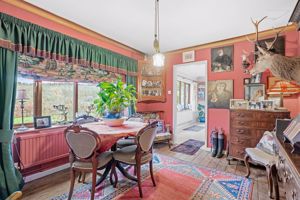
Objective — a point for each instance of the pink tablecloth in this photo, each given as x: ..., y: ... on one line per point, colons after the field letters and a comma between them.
x: 110, y: 135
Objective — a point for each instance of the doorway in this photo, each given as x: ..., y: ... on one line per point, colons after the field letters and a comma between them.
x: 190, y: 102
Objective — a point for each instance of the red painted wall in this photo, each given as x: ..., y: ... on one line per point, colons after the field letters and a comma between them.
x: 220, y: 117
x: 27, y: 16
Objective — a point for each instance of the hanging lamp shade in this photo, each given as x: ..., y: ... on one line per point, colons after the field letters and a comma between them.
x: 158, y: 58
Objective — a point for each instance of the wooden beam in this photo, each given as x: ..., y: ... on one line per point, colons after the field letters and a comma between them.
x: 229, y: 41
x: 69, y: 24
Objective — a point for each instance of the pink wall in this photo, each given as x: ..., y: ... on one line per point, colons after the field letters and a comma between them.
x: 220, y: 117
x: 27, y: 16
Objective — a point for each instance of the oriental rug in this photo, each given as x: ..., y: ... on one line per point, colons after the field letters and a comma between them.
x: 175, y: 180
x: 189, y: 147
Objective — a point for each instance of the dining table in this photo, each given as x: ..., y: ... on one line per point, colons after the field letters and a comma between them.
x: 108, y: 138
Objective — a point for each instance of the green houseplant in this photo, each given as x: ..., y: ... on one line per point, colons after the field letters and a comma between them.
x: 113, y: 98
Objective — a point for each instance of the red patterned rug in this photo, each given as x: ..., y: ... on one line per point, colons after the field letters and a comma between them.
x: 176, y: 180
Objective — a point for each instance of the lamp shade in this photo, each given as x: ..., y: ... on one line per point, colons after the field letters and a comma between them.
x: 284, y: 87
x: 21, y: 94
x: 158, y: 60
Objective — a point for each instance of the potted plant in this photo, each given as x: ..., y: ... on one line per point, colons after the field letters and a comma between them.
x: 201, y: 115
x: 113, y: 98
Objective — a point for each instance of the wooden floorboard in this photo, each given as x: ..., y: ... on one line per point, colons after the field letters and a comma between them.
x: 58, y: 183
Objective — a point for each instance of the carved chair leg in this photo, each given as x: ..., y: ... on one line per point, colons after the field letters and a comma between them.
x: 114, y: 173
x: 169, y: 143
x: 270, y: 181
x: 274, y: 175
x: 71, y: 183
x: 246, y: 161
x: 138, y: 172
x: 94, y: 176
x: 151, y: 172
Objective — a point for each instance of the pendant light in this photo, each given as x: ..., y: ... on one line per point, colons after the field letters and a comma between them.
x: 158, y: 58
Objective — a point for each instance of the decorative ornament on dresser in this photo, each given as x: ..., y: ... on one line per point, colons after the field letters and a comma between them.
x: 287, y: 68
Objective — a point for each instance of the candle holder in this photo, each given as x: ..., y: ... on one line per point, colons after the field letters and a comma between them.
x: 63, y: 112
x: 21, y: 97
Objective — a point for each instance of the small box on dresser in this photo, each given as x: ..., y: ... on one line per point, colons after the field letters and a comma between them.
x: 247, y: 127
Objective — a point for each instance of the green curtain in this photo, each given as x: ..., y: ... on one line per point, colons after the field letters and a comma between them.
x: 33, y: 40
x: 131, y: 80
x: 10, y: 178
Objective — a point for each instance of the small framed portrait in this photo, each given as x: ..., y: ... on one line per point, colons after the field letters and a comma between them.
x: 42, y: 122
x: 254, y: 92
x: 238, y: 104
x: 267, y: 104
x: 247, y: 81
x: 276, y: 101
x: 219, y: 93
x: 222, y: 59
x: 188, y: 56
x: 255, y: 105
x: 256, y: 78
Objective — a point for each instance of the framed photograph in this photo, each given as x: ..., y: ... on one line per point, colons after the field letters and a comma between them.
x: 42, y: 122
x: 188, y: 56
x: 222, y: 59
x: 267, y: 104
x: 256, y: 78
x: 255, y: 105
x: 238, y: 104
x: 247, y: 81
x: 254, y: 92
x: 219, y: 93
x: 276, y: 101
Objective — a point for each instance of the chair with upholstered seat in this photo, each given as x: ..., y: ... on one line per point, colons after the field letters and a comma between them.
x: 83, y: 144
x: 138, y: 154
x: 263, y: 154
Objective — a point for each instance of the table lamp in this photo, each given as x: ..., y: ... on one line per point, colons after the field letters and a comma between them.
x: 21, y: 97
x: 282, y: 88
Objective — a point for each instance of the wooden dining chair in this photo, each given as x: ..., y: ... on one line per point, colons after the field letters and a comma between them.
x: 84, y: 158
x: 138, y: 154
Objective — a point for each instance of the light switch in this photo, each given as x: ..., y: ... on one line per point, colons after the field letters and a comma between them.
x: 169, y: 92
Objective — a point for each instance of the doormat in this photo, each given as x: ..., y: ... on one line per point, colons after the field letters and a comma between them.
x: 189, y: 147
x: 194, y: 128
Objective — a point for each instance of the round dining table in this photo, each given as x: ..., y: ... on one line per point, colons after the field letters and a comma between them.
x: 108, y: 138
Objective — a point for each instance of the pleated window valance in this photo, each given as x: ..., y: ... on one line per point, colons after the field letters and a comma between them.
x: 33, y: 40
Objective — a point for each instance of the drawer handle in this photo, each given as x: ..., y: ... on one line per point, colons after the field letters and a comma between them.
x: 240, y: 115
x: 242, y: 123
x: 240, y: 131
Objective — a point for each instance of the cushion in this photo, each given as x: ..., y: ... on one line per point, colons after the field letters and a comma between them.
x: 267, y: 143
x: 103, y: 159
x: 125, y: 142
x: 127, y: 155
x: 162, y: 136
x: 260, y: 156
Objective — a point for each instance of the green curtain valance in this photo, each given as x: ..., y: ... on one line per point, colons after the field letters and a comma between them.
x: 33, y: 40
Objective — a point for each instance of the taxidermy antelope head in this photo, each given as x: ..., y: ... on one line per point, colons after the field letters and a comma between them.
x: 281, y: 66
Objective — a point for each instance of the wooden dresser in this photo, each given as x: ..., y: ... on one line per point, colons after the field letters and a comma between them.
x: 247, y: 128
x: 288, y: 169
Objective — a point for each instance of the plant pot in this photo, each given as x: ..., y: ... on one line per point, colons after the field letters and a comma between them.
x: 201, y: 119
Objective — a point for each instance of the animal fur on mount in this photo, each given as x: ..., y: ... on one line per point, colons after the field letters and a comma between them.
x: 287, y: 68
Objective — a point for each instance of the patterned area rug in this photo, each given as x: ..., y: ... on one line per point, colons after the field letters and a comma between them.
x: 175, y: 180
x: 189, y: 147
x: 194, y: 128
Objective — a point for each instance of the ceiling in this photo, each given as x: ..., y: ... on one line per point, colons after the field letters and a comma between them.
x: 183, y: 23
x: 193, y: 71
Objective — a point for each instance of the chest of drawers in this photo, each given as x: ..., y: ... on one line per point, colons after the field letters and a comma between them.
x: 247, y: 128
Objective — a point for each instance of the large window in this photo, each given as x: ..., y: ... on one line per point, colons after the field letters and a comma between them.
x: 183, y: 95
x: 58, y: 93
x: 24, y: 86
x: 87, y: 93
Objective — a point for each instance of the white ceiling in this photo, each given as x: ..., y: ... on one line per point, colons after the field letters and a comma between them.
x: 183, y: 23
x: 193, y: 71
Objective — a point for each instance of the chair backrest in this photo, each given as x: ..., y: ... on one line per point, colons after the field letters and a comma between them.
x: 146, y: 136
x: 82, y: 141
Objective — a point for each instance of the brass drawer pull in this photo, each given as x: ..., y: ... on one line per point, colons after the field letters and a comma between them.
x: 240, y: 115
x: 242, y: 123
x: 240, y: 131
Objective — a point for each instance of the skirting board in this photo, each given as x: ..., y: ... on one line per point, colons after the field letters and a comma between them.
x: 45, y: 173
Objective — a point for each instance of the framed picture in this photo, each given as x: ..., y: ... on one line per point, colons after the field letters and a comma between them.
x: 267, y: 104
x: 238, y: 104
x: 276, y: 101
x: 222, y: 59
x: 247, y: 81
x: 256, y: 78
x: 254, y: 92
x: 254, y: 105
x: 188, y: 56
x: 42, y: 122
x: 219, y: 93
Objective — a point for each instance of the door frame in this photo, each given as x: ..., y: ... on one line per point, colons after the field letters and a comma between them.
x: 202, y: 62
